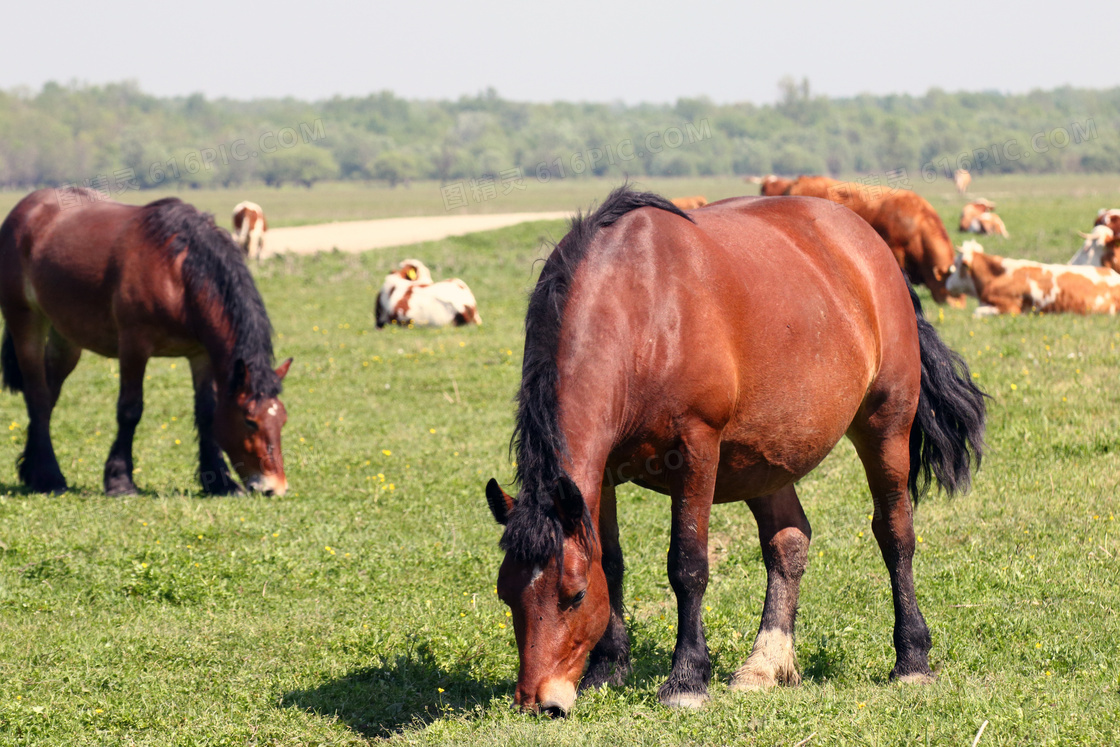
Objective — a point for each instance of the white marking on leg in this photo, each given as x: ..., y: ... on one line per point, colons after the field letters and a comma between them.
x: 772, y: 662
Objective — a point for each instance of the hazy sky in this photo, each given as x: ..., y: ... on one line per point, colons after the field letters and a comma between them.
x: 584, y: 50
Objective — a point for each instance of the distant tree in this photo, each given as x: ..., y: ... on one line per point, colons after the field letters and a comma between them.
x: 395, y: 166
x: 302, y: 164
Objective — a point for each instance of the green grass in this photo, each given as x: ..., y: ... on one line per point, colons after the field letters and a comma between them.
x: 361, y: 605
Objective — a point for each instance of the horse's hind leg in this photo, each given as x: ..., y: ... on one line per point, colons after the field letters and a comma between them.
x: 610, y: 659
x: 130, y: 408
x: 784, y: 533
x: 38, y: 465
x: 61, y: 358
x: 886, y: 459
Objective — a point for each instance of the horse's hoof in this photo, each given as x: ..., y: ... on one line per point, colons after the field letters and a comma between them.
x: 684, y: 700
x: 604, y: 673
x: 915, y: 678
x: 750, y: 681
x: 119, y: 485
x: 49, y: 487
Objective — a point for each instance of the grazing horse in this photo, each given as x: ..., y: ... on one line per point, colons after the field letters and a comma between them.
x: 134, y: 282
x: 249, y: 226
x: 715, y: 356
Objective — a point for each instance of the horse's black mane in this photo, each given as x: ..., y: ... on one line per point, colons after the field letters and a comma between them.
x: 533, y: 531
x: 215, y: 266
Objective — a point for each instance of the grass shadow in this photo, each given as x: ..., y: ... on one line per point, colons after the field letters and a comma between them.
x: 411, y: 690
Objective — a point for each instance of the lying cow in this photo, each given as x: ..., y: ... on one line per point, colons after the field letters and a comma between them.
x: 249, y: 226
x: 962, y: 179
x: 978, y: 216
x: 408, y: 296
x: 1012, y: 286
x: 1099, y: 249
x: 691, y: 203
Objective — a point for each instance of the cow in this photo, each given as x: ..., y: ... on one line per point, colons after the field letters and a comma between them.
x: 972, y: 211
x: 906, y: 221
x: 772, y: 186
x: 690, y: 203
x: 1013, y: 286
x: 978, y: 216
x: 1110, y: 218
x: 962, y: 179
x: 409, y: 297
x: 1099, y: 249
x: 249, y: 226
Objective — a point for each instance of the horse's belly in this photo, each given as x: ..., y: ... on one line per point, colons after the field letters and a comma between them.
x: 83, y: 321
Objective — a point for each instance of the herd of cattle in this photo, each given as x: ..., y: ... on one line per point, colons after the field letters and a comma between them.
x: 1088, y: 284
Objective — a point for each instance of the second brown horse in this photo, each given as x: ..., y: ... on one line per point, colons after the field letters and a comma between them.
x: 79, y: 272
x: 715, y: 356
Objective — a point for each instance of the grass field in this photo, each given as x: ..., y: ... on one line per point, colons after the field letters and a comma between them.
x: 361, y: 605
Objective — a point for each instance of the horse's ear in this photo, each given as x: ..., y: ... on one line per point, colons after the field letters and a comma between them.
x: 282, y: 371
x: 500, y: 503
x: 569, y: 504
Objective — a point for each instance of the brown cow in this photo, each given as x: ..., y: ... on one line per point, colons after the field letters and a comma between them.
x: 906, y: 221
x: 978, y: 216
x: 690, y: 203
x: 972, y: 211
x: 772, y: 186
x: 1012, y: 286
x: 962, y: 179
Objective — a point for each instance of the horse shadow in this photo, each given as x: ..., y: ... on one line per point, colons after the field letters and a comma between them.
x: 412, y: 690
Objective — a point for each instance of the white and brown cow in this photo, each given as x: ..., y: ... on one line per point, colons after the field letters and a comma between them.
x: 1013, y: 286
x: 979, y: 216
x: 408, y: 296
x: 1099, y: 249
x: 249, y: 226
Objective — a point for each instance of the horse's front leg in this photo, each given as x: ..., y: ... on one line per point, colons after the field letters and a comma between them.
x: 692, y: 488
x: 783, y: 532
x: 212, y: 470
x: 130, y: 408
x: 610, y: 659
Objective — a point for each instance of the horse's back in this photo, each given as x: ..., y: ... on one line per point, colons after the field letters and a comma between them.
x: 766, y: 320
x: 85, y: 266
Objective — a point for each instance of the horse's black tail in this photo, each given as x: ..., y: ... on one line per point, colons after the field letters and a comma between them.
x: 12, y: 375
x: 947, y: 437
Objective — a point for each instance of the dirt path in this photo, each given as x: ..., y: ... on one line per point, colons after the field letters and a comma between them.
x: 358, y: 236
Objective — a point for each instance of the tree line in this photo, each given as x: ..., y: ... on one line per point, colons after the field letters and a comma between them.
x: 116, y: 137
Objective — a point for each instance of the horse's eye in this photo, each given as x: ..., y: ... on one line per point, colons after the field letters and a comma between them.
x: 579, y: 597
x: 251, y: 425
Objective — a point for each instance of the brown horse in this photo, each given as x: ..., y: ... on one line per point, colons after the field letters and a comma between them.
x: 78, y: 272
x: 716, y: 356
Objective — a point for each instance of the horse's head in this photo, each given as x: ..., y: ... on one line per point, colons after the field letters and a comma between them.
x: 247, y: 425
x: 552, y: 579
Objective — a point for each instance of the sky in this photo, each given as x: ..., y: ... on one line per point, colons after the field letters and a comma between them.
x: 655, y: 51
